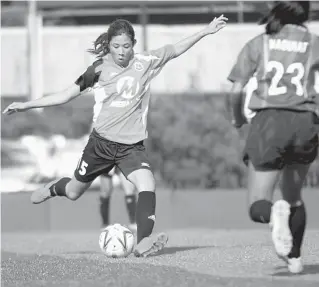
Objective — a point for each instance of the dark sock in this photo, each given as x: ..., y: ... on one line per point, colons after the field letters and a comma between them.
x: 260, y: 211
x: 297, y: 224
x: 130, y: 201
x: 59, y: 187
x: 145, y: 209
x: 105, y: 210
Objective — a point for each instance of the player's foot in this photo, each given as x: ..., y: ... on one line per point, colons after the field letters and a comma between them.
x: 294, y: 264
x: 279, y: 222
x: 132, y: 227
x: 151, y: 245
x: 43, y: 193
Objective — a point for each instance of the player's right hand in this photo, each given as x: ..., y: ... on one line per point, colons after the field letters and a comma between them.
x: 217, y: 24
x: 14, y: 108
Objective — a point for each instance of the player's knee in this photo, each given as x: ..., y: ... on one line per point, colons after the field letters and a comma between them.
x: 260, y: 211
x: 106, y: 190
x: 143, y: 180
x: 73, y: 195
x: 146, y: 186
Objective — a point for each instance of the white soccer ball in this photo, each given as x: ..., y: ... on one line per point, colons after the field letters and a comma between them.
x: 116, y: 241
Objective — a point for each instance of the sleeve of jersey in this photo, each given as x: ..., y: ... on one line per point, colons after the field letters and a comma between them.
x: 89, y: 77
x: 245, y: 65
x: 314, y: 73
x: 161, y: 56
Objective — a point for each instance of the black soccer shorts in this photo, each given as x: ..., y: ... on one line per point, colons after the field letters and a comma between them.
x: 101, y: 155
x: 281, y: 137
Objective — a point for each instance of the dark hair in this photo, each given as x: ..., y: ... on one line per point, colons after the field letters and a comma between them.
x: 285, y: 12
x: 118, y: 27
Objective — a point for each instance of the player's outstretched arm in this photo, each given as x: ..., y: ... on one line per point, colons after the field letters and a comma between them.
x: 52, y: 100
x: 213, y: 27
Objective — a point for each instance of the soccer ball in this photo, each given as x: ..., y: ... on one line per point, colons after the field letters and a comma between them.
x: 116, y: 241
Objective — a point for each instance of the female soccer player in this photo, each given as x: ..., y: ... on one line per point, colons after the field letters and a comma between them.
x: 106, y: 181
x: 122, y: 79
x: 282, y: 138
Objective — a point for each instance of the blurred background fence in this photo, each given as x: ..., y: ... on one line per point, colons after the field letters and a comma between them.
x: 191, y: 143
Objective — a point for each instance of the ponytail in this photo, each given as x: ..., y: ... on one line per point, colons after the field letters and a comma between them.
x: 273, y: 24
x: 285, y: 12
x: 100, y: 46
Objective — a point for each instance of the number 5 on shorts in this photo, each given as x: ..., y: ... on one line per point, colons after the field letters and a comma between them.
x: 82, y: 167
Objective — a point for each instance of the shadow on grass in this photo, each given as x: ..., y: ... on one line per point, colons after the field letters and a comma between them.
x: 176, y: 249
x: 165, y: 251
x: 308, y: 270
x: 91, y: 252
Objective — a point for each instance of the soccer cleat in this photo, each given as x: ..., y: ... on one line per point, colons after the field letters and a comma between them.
x: 42, y: 194
x: 279, y: 222
x: 150, y: 245
x: 294, y: 264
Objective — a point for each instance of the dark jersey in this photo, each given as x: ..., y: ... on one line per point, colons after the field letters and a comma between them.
x: 286, y: 66
x: 122, y: 94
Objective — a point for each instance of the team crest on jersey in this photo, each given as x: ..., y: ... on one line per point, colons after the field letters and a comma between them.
x: 138, y: 66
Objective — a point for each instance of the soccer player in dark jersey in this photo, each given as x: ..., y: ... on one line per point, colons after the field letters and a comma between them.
x: 121, y: 81
x: 282, y: 139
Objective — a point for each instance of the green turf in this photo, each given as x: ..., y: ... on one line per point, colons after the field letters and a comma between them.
x: 193, y: 257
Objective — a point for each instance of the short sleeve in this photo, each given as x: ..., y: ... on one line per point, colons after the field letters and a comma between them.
x: 161, y: 56
x: 313, y: 73
x: 246, y: 64
x: 90, y: 76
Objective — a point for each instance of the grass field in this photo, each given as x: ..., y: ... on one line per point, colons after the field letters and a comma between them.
x: 226, y: 249
x: 193, y: 257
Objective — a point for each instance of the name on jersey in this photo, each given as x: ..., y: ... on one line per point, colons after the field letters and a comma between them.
x: 288, y: 45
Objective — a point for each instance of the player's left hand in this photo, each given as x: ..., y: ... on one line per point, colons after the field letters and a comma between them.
x: 217, y: 24
x: 238, y: 122
x: 14, y: 108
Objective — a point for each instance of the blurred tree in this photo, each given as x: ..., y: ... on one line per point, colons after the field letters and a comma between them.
x: 192, y: 144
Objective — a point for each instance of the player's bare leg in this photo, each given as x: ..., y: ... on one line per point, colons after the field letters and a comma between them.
x: 292, y: 181
x: 106, y: 187
x: 147, y: 244
x: 261, y: 186
x: 70, y: 188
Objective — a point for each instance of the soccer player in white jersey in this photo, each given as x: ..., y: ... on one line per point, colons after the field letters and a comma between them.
x: 122, y: 79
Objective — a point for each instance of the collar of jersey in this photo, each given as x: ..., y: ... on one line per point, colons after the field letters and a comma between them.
x: 292, y: 26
